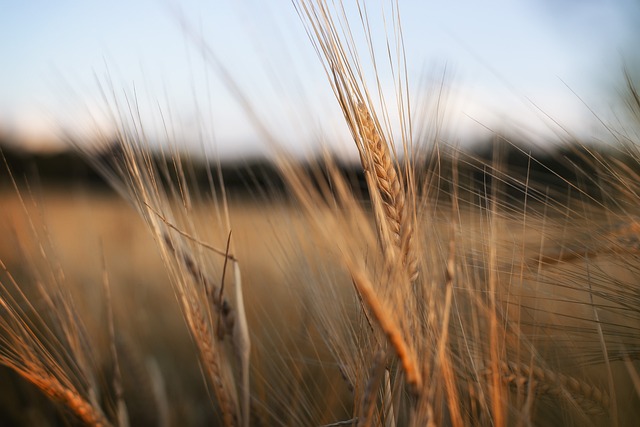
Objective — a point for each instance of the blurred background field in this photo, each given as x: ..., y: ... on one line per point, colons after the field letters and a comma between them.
x: 85, y: 229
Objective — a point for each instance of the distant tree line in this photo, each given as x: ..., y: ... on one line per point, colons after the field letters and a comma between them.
x: 495, y: 168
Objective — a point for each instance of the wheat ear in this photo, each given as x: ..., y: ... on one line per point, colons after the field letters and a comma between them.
x: 25, y: 351
x: 378, y: 164
x: 377, y: 160
x: 391, y: 329
x: 203, y: 334
x: 69, y: 398
x: 590, y: 398
x: 212, y: 364
x: 29, y: 366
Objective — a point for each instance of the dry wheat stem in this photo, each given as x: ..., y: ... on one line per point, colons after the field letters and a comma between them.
x: 121, y: 406
x: 242, y: 346
x: 188, y: 236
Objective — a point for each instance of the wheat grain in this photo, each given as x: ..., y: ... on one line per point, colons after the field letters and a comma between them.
x: 50, y: 386
x: 379, y: 165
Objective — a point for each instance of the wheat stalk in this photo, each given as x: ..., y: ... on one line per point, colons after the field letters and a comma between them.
x: 387, y: 193
x: 209, y: 314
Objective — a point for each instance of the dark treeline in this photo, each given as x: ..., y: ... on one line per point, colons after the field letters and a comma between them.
x: 497, y: 167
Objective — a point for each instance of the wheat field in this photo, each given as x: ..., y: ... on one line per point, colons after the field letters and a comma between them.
x: 296, y: 377
x: 434, y: 298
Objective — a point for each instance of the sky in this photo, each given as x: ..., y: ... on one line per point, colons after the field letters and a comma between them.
x: 67, y: 66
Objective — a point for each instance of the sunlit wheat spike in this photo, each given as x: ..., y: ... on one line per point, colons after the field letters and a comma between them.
x: 378, y: 162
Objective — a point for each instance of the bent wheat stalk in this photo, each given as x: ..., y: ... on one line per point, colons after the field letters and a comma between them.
x: 392, y: 213
x: 46, y: 360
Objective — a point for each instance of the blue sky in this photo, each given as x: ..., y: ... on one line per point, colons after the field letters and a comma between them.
x: 506, y: 62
